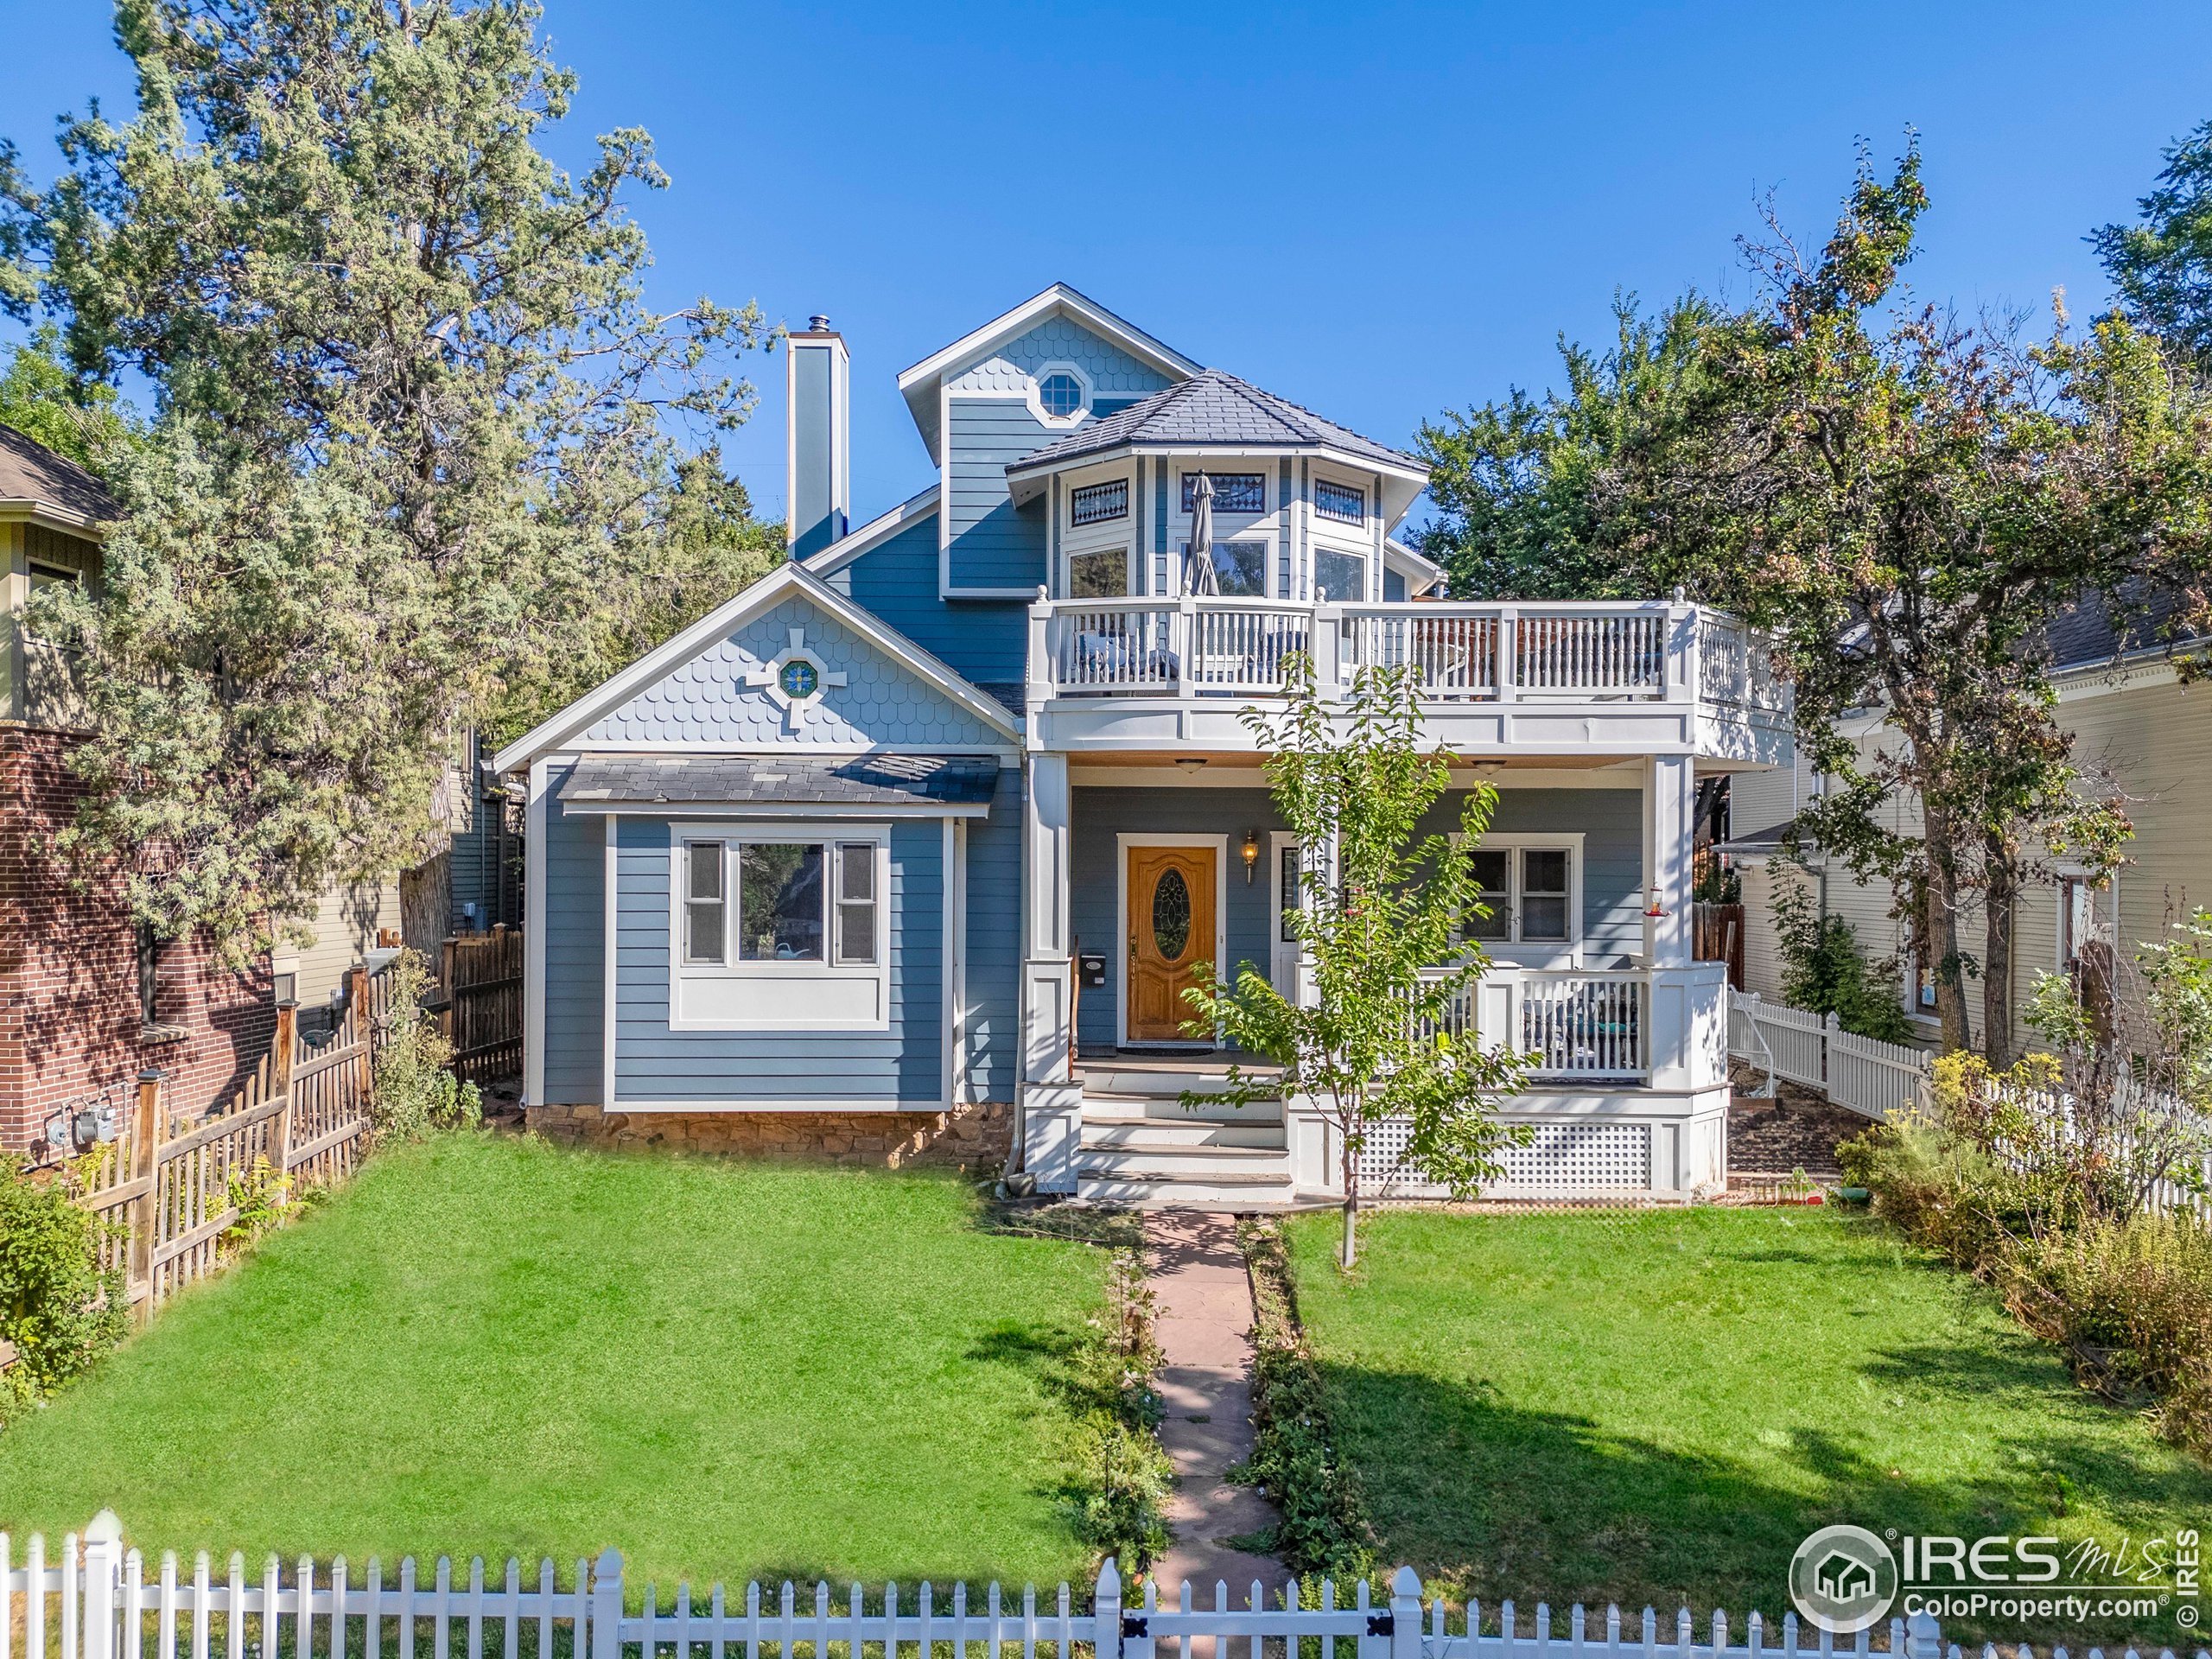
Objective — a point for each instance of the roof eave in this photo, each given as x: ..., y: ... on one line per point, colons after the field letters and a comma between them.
x: 35, y: 511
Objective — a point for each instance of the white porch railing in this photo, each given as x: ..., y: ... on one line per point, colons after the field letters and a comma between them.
x: 1580, y: 1023
x: 1193, y: 646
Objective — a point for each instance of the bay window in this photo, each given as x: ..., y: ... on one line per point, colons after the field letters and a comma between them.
x: 779, y: 927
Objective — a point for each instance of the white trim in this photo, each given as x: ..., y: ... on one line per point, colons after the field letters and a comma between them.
x: 1410, y: 471
x: 1006, y: 753
x: 610, y: 963
x: 939, y: 365
x: 826, y: 561
x: 1035, y: 395
x: 1284, y: 957
x: 1123, y: 840
x: 956, y: 905
x: 533, y: 954
x: 787, y: 579
x: 1414, y: 567
x: 802, y: 1104
x: 949, y: 1020
x: 1168, y: 776
x: 732, y: 970
x: 830, y: 812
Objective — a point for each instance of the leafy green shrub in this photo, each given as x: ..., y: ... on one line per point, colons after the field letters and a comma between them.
x: 1824, y: 970
x: 56, y: 1305
x: 1118, y: 1412
x: 2131, y: 1302
x: 1325, y: 1532
x: 1996, y: 1187
x: 415, y: 1095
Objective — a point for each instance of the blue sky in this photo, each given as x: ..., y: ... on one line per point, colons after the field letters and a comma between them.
x: 1378, y: 212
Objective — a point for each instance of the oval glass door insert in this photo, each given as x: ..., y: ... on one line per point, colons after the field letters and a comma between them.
x: 1171, y: 916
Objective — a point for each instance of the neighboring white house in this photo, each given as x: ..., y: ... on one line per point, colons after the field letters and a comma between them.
x: 2138, y: 726
x: 921, y: 836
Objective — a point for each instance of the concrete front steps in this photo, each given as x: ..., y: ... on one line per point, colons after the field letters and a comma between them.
x: 1142, y: 1146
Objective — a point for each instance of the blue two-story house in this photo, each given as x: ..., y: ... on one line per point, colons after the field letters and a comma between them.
x: 912, y: 848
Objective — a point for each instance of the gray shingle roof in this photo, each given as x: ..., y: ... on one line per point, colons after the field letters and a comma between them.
x: 843, y: 780
x: 31, y: 471
x: 1212, y: 408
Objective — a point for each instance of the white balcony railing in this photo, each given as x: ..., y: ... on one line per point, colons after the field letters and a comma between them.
x: 1196, y: 647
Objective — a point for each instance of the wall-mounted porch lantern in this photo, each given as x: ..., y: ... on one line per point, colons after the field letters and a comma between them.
x: 1251, y: 851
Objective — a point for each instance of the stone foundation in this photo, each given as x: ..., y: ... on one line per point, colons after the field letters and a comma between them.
x: 977, y: 1138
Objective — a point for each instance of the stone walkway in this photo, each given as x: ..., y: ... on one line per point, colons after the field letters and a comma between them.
x: 1204, y: 1324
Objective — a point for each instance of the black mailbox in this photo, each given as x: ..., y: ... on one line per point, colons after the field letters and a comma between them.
x: 1093, y: 965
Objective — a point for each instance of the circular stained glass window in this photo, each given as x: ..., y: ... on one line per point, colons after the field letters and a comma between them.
x: 1171, y: 916
x: 1061, y: 394
x: 800, y: 679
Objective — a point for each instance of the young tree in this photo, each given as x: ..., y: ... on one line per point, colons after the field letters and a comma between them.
x: 1382, y: 918
x: 413, y: 432
x: 1905, y: 501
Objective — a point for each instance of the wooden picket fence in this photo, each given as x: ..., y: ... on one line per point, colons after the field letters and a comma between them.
x: 479, y: 1003
x: 95, y: 1601
x: 300, y: 1121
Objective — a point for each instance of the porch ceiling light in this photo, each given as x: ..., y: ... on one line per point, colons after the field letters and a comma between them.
x: 1192, y: 763
x: 1250, y: 850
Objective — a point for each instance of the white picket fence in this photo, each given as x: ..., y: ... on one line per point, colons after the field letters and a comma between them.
x: 1866, y: 1075
x: 96, y: 1602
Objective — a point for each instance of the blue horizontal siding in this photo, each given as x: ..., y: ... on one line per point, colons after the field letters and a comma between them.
x: 1610, y: 821
x: 898, y: 1067
x: 990, y: 1042
x: 981, y: 639
x: 993, y: 543
x: 575, y: 925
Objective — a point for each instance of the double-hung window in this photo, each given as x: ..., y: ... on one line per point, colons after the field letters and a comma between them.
x: 779, y: 927
x: 1531, y: 889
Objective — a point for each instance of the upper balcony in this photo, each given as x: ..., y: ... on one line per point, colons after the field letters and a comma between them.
x: 1602, y: 678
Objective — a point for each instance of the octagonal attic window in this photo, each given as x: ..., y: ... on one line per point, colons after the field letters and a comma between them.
x: 1061, y: 394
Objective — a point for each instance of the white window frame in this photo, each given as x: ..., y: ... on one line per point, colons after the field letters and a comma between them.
x: 1125, y: 923
x: 1535, y: 953
x: 837, y: 987
x: 1343, y: 526
x: 1034, y: 390
x: 1108, y: 535
x: 1271, y: 547
x: 1269, y: 488
x: 2103, y: 898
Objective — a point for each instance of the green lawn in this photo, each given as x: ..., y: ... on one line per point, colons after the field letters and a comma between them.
x: 1655, y: 1406
x: 493, y: 1346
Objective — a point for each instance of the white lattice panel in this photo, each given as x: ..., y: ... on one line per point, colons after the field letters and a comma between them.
x: 1579, y: 1157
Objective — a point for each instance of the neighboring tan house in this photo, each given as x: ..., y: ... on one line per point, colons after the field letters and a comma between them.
x: 915, y: 845
x: 87, y: 1001
x: 2137, y: 726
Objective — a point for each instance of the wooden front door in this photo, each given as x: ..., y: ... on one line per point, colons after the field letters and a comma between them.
x: 1171, y: 931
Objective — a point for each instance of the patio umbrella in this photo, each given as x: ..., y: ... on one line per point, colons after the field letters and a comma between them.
x: 1200, y: 577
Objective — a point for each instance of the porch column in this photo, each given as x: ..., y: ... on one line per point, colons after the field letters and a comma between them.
x: 1669, y: 803
x: 1052, y: 1101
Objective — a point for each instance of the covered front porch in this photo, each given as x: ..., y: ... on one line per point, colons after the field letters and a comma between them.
x: 1165, y: 868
